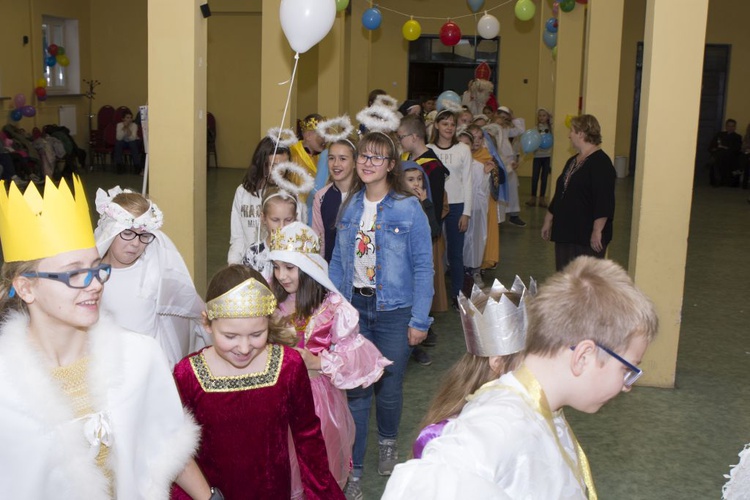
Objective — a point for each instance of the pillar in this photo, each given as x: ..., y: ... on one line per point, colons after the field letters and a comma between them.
x: 177, y: 125
x: 332, y: 69
x: 276, y: 63
x: 674, y: 42
x: 567, y: 85
x: 601, y: 74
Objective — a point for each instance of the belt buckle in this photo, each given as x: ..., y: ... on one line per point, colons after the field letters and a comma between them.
x: 367, y: 292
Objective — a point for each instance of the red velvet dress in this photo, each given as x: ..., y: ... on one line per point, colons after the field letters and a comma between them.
x: 246, y: 421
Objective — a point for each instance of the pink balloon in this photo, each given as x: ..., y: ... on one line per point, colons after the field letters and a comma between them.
x: 19, y: 100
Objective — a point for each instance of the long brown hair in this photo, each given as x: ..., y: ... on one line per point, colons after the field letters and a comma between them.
x: 259, y: 170
x: 310, y: 294
x: 442, y: 116
x: 231, y: 276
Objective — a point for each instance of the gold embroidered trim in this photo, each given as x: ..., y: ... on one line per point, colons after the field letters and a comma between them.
x: 267, y: 378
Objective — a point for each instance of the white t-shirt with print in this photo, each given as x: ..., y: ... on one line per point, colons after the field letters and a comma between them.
x: 364, y: 247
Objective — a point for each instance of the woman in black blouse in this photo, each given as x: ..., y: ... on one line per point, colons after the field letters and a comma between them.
x: 579, y: 218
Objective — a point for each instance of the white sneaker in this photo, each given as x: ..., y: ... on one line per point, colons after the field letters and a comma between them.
x: 478, y: 281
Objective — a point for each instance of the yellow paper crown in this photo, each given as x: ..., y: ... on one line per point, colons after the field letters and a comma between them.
x: 33, y: 226
x: 249, y: 299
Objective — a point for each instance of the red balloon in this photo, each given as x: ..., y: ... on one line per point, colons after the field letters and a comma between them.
x: 52, y: 49
x: 450, y: 33
x: 40, y: 92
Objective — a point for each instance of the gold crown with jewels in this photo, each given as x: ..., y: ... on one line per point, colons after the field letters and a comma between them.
x: 493, y: 324
x: 249, y: 299
x: 34, y: 226
x: 296, y: 237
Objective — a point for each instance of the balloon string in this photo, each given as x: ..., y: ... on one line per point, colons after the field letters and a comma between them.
x: 379, y: 6
x: 286, y: 106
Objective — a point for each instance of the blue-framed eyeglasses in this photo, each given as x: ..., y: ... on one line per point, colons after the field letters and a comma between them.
x: 376, y: 161
x: 633, y: 373
x: 78, y: 278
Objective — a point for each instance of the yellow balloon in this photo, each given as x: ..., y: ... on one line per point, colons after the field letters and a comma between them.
x: 554, y: 52
x: 63, y: 60
x: 41, y: 82
x: 568, y: 118
x: 411, y: 30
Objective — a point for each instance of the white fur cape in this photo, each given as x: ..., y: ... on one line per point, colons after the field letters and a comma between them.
x: 44, y: 453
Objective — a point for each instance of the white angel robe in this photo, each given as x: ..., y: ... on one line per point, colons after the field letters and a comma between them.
x: 48, y: 453
x: 499, y: 447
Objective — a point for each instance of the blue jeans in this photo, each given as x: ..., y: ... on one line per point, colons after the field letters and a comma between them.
x: 388, y: 331
x: 135, y: 152
x: 454, y: 239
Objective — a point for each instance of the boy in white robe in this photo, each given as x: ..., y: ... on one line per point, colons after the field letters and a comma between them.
x: 588, y: 328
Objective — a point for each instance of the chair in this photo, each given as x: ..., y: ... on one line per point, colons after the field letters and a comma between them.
x: 122, y: 111
x: 211, y: 141
x: 104, y: 117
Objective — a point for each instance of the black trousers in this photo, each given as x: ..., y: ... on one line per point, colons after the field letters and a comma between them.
x: 567, y: 252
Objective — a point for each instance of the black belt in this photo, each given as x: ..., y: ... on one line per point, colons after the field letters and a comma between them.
x: 364, y: 292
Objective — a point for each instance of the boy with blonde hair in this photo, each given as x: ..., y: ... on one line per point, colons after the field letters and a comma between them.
x: 588, y: 328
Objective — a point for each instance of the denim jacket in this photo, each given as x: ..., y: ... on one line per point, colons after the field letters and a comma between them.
x: 403, y: 253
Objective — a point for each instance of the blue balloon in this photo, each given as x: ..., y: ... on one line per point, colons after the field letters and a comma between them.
x: 531, y: 140
x: 475, y: 5
x: 16, y: 115
x: 547, y: 141
x: 550, y: 39
x: 50, y: 61
x: 372, y: 18
x: 447, y: 96
x: 551, y: 25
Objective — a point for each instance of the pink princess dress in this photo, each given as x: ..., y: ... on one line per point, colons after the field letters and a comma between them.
x: 347, y: 360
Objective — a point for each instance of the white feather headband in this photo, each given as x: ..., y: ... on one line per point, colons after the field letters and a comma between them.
x: 284, y: 138
x: 306, y: 181
x: 387, y: 101
x: 379, y: 118
x: 343, y: 124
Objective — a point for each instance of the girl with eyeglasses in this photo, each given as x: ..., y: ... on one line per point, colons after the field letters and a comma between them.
x: 90, y: 410
x: 382, y: 264
x: 151, y: 291
x: 456, y: 157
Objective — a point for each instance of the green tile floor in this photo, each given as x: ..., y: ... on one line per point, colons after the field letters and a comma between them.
x: 648, y: 444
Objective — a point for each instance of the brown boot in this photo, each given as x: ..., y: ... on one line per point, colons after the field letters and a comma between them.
x: 531, y: 202
x: 543, y: 202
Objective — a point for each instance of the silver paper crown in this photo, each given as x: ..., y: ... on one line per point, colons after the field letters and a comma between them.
x: 493, y: 324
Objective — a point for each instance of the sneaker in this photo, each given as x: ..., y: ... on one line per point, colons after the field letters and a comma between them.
x: 421, y: 356
x: 353, y: 489
x: 454, y: 304
x: 478, y: 281
x: 388, y: 456
x: 517, y: 221
x: 431, y: 339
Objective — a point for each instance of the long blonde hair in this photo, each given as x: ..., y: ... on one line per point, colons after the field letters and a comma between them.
x: 465, y: 376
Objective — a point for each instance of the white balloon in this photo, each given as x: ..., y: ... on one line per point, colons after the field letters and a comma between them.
x: 306, y: 22
x: 488, y: 26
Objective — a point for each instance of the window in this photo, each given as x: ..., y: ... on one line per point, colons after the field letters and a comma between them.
x: 63, y: 33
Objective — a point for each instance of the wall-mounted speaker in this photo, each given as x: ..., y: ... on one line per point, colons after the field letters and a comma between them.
x: 205, y: 10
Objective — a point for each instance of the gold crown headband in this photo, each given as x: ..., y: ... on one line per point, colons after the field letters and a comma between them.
x: 249, y: 299
x: 309, y: 124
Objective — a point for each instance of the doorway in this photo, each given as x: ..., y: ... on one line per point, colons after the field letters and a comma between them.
x: 713, y: 101
x: 435, y: 67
